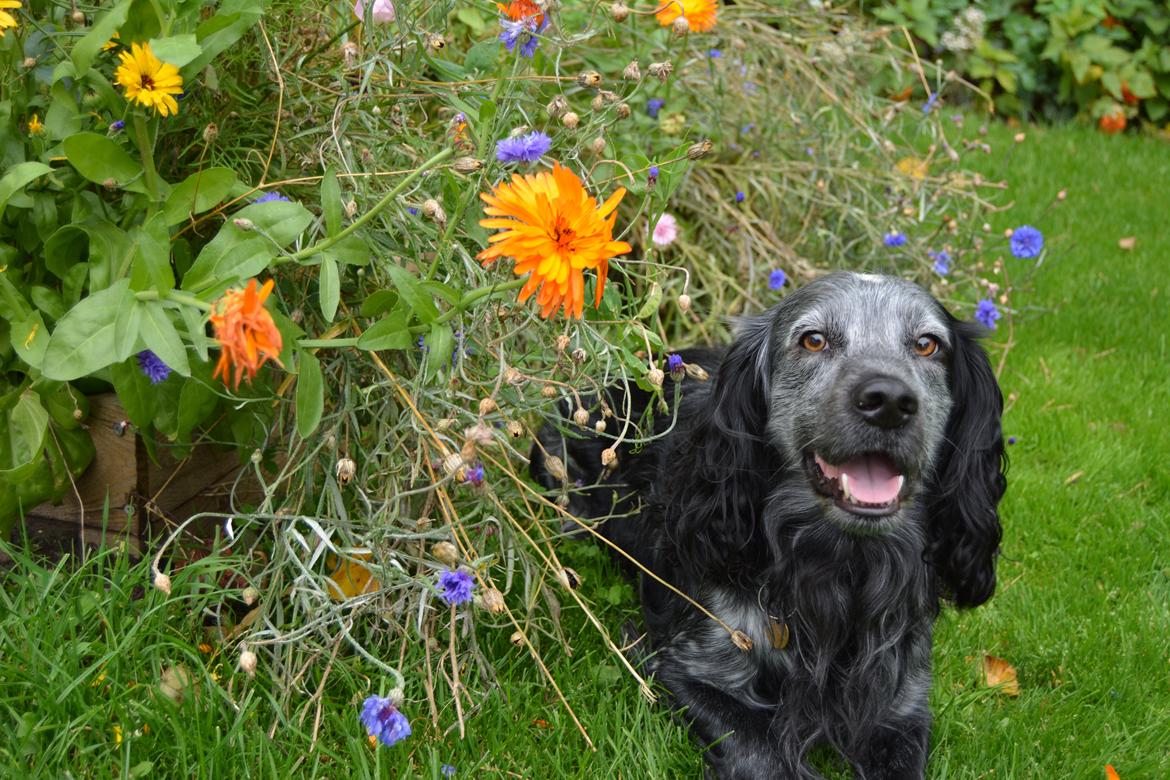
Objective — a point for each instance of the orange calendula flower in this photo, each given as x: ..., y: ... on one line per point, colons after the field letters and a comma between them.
x: 522, y: 10
x: 554, y: 230
x: 245, y: 331
x: 148, y: 80
x: 700, y: 14
x: 7, y: 20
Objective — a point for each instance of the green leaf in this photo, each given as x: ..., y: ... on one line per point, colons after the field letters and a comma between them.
x: 127, y: 332
x: 99, y: 159
x: 135, y: 392
x: 150, y: 267
x: 482, y: 56
x: 351, y: 250
x: 176, y: 50
x: 391, y: 332
x: 439, y: 343
x: 413, y: 293
x: 236, y: 254
x: 379, y: 302
x: 85, y: 338
x: 161, y: 338
x: 310, y: 397
x: 471, y: 17
x: 1112, y: 84
x: 197, y: 193
x: 18, y: 177
x: 1006, y: 79
x: 62, y: 118
x: 196, y: 330
x: 24, y: 437
x: 282, y: 221
x: 1142, y: 85
x: 13, y: 306
x: 30, y: 339
x: 331, y: 202
x: 232, y: 19
x: 328, y: 287
x: 103, y: 30
x: 196, y: 402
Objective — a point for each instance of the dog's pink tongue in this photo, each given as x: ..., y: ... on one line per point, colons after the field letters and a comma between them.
x: 872, y: 479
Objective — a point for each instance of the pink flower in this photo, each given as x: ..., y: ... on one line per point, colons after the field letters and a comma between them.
x: 382, y: 13
x: 666, y: 231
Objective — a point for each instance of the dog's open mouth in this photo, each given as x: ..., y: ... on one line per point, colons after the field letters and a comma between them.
x: 868, y: 485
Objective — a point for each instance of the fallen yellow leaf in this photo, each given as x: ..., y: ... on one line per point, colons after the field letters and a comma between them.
x: 998, y: 673
x: 351, y: 579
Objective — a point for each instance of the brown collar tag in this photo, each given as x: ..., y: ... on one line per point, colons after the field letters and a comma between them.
x: 777, y: 633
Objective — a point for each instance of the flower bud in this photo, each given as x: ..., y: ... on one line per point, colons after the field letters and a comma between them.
x: 110, y: 184
x: 345, y: 469
x: 162, y: 582
x: 436, y: 42
x: 700, y: 150
x: 581, y: 417
x: 619, y: 12
x: 580, y: 355
x: 661, y: 70
x: 349, y: 54
x: 623, y: 110
x: 432, y: 209
x: 549, y: 391
x: 29, y: 62
x: 453, y: 464
x: 517, y: 639
x: 681, y: 26
x: 515, y: 429
x: 243, y: 223
x: 351, y: 208
x: 609, y: 457
x: 445, y: 552
x: 655, y: 377
x: 597, y: 103
x: 555, y: 468
x: 599, y: 426
x: 632, y: 71
x: 1019, y: 138
x: 598, y: 145
x: 248, y: 662
x: 695, y: 371
x: 684, y: 303
x: 250, y: 596
x: 569, y: 579
x: 570, y: 119
x: 77, y: 16
x: 741, y: 640
x: 562, y: 343
x: 557, y: 106
x: 467, y: 165
x: 210, y: 133
x: 396, y: 696
x: 1062, y: 195
x: 589, y: 78
x: 513, y: 376
x: 487, y: 406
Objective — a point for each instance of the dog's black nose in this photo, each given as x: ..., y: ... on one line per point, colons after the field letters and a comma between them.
x: 885, y: 401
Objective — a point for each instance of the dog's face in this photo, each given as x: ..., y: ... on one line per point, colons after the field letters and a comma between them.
x: 858, y: 394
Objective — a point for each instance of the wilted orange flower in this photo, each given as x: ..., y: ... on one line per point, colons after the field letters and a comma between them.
x: 700, y: 14
x: 245, y: 331
x: 553, y: 230
x: 522, y: 10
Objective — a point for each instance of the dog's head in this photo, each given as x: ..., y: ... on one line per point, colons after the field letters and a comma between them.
x: 883, y: 410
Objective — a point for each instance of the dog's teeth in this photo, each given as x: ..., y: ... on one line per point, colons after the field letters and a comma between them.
x: 844, y: 480
x: 901, y: 482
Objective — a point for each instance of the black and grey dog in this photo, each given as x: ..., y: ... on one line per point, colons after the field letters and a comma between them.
x: 834, y: 479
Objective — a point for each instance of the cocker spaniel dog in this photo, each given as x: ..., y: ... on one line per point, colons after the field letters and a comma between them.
x: 835, y: 479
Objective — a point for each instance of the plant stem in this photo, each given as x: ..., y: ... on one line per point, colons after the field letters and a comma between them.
x: 174, y: 296
x: 149, y: 172
x: 358, y: 223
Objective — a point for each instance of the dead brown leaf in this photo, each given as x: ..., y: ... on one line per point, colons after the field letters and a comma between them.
x: 174, y: 682
x: 1076, y: 475
x: 1127, y: 243
x: 999, y: 674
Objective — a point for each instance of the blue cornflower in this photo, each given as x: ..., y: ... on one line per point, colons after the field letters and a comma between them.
x: 776, y: 279
x: 151, y: 365
x: 809, y: 151
x: 942, y: 261
x: 474, y: 475
x: 455, y: 587
x: 116, y: 127
x: 524, y: 148
x: 383, y: 720
x: 747, y: 128
x: 653, y: 106
x: 1026, y: 242
x: 714, y: 54
x: 270, y: 196
x: 987, y: 313
x: 894, y: 238
x: 524, y: 32
x: 412, y: 211
x: 1011, y: 440
x: 674, y: 365
x: 930, y: 103
x: 739, y: 196
x: 447, y: 770
x: 652, y: 174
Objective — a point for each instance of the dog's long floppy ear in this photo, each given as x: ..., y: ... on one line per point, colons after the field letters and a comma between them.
x: 965, y: 530
x: 724, y: 464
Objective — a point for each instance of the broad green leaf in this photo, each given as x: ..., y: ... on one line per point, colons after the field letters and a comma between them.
x: 127, y: 332
x: 197, y: 193
x: 379, y: 302
x: 196, y: 402
x: 439, y: 344
x: 196, y: 330
x: 17, y: 177
x: 232, y: 19
x: 1142, y: 85
x: 24, y: 436
x: 176, y: 50
x: 329, y: 287
x: 135, y: 392
x: 331, y: 202
x: 150, y: 266
x: 99, y: 159
x: 161, y: 338
x: 351, y: 250
x: 13, y: 306
x: 63, y: 118
x: 103, y: 30
x: 30, y: 338
x: 482, y: 56
x: 310, y: 396
x: 471, y: 17
x: 84, y: 340
x: 391, y: 332
x: 230, y: 260
x: 1112, y: 83
x: 413, y: 293
x: 282, y: 221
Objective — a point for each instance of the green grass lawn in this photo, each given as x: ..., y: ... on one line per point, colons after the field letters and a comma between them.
x: 1082, y: 611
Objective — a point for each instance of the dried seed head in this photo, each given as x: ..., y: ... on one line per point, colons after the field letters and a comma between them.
x: 661, y: 70
x: 655, y: 376
x: 570, y: 120
x: 1062, y: 195
x: 436, y: 41
x: 351, y: 208
x: 210, y: 133
x: 623, y: 110
x: 557, y: 106
x: 453, y: 463
x: 345, y: 469
x: 491, y: 600
x: 250, y: 596
x: 609, y: 457
x: 555, y: 468
x: 349, y: 54
x: 681, y: 26
x: 695, y: 371
x: 684, y: 302
x: 517, y: 639
x: 515, y: 429
x: 607, y: 96
x: 78, y: 17
x: 741, y: 640
x: 632, y: 71
x: 162, y: 582
x: 598, y: 145
x: 487, y: 406
x: 589, y: 78
x: 248, y: 662
x: 29, y: 62
x: 467, y: 165
x: 597, y: 104
x: 549, y: 391
x: 432, y: 209
x: 396, y: 696
x: 569, y: 578
x: 986, y: 227
x: 580, y: 355
x: 479, y: 435
x: 700, y: 150
x: 581, y: 417
x: 562, y: 343
x: 445, y: 424
x: 619, y: 12
x: 513, y: 376
x: 445, y: 553
x: 599, y: 426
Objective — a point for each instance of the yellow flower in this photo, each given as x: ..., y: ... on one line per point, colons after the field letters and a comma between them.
x: 6, y: 19
x: 35, y: 126
x: 112, y: 43
x: 148, y: 80
x: 553, y: 230
x: 700, y: 14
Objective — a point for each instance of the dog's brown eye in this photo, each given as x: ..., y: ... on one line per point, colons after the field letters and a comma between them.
x: 926, y: 346
x: 814, y: 342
